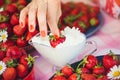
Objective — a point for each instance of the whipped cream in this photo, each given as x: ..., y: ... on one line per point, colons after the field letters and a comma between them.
x: 73, y: 37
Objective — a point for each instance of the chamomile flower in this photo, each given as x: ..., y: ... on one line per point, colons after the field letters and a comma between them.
x: 2, y: 67
x: 3, y: 35
x: 114, y: 73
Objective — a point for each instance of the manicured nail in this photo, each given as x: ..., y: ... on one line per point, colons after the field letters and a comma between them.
x: 42, y: 33
x: 21, y: 24
x: 31, y: 28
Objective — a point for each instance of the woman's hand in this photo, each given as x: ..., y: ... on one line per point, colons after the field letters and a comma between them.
x: 46, y: 12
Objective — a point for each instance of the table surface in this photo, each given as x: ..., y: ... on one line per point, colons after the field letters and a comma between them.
x: 107, y: 38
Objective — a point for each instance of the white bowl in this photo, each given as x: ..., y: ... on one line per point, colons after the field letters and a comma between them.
x: 59, y: 56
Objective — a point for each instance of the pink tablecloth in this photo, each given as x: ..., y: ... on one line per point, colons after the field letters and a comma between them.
x: 107, y: 38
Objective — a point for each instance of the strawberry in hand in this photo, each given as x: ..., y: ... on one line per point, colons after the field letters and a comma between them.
x: 55, y: 40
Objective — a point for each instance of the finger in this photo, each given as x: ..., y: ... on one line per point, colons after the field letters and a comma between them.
x: 41, y: 15
x: 23, y: 15
x: 32, y: 18
x: 52, y: 15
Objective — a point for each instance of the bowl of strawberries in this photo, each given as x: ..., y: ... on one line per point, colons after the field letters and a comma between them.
x: 15, y: 62
x: 105, y: 67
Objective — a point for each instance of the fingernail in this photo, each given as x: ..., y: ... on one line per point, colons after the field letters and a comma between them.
x: 42, y: 33
x: 31, y: 28
x: 21, y: 24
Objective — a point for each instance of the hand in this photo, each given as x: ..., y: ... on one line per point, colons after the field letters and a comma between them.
x: 46, y: 12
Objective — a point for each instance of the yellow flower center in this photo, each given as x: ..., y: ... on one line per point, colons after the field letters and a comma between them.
x: 3, y: 36
x: 116, y: 73
x: 1, y: 67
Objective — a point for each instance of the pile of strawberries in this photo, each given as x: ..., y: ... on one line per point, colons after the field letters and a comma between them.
x: 18, y: 62
x: 80, y: 15
x: 90, y: 68
x: 9, y: 20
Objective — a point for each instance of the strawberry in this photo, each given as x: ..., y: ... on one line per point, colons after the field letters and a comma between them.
x: 9, y: 74
x: 75, y: 11
x: 22, y: 71
x: 84, y: 70
x: 67, y: 70
x: 90, y: 61
x: 22, y: 2
x: 12, y: 8
x: 14, y: 52
x: 55, y: 40
x: 98, y: 69
x: 7, y: 44
x: 21, y: 42
x: 59, y: 77
x: 27, y: 60
x: 18, y: 31
x: 88, y: 77
x: 6, y: 59
x: 109, y: 60
x: 31, y: 34
x: 6, y: 26
x: 94, y: 21
x: 74, y: 76
x: 14, y: 19
x: 2, y: 3
x: 2, y: 54
x: 4, y: 16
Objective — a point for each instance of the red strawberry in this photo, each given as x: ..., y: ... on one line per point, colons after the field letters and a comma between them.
x: 14, y: 19
x: 67, y: 70
x: 2, y: 54
x: 7, y: 26
x: 94, y: 21
x: 22, y: 71
x: 75, y: 11
x: 31, y: 34
x: 54, y: 40
x: 27, y: 60
x: 6, y: 59
x: 22, y: 2
x: 9, y: 74
x: 2, y: 2
x: 84, y: 70
x: 18, y: 30
x: 91, y: 61
x: 88, y: 77
x: 4, y: 16
x: 59, y: 77
x: 109, y: 60
x: 7, y: 44
x: 21, y: 42
x: 74, y: 76
x: 99, y: 70
x: 14, y: 52
x: 12, y: 8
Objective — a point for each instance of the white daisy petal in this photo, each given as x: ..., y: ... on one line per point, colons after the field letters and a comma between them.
x: 2, y: 67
